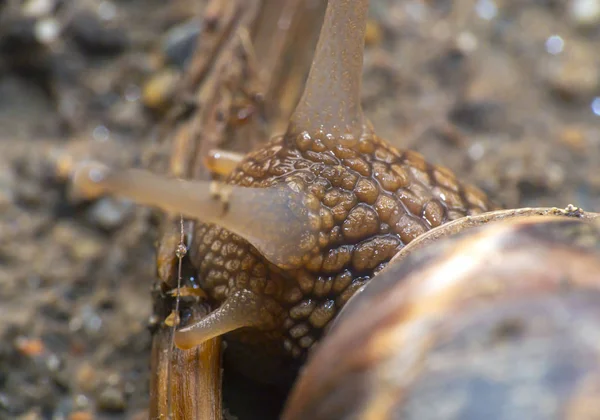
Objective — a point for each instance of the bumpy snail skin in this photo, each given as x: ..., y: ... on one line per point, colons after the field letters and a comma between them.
x: 494, y: 323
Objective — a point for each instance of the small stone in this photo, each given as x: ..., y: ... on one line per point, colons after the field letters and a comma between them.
x: 159, y: 90
x: 180, y: 42
x: 86, y: 377
x: 112, y: 400
x: 30, y: 346
x: 373, y: 33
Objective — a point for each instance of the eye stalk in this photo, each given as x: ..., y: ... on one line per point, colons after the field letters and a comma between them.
x: 331, y: 100
x: 275, y: 220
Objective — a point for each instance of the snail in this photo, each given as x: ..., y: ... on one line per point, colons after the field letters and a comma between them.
x: 306, y: 220
x: 303, y: 223
x: 498, y: 321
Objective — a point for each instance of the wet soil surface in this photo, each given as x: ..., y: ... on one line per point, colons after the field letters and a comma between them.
x: 507, y: 94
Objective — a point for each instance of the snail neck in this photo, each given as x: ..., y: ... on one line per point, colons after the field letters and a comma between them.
x: 330, y: 103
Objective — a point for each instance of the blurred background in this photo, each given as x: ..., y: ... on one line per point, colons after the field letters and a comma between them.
x: 505, y: 93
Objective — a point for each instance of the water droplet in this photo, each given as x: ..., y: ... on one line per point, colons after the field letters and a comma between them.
x: 486, y: 9
x: 101, y: 133
x: 181, y: 251
x: 555, y: 44
x: 596, y: 105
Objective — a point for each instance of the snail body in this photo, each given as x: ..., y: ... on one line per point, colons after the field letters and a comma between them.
x: 495, y: 322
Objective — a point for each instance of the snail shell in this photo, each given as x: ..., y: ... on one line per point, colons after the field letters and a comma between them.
x: 498, y: 322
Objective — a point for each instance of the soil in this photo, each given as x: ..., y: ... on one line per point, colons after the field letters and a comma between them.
x: 504, y: 93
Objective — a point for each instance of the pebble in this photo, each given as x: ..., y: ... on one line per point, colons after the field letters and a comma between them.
x: 159, y: 89
x: 373, y: 33
x: 112, y: 400
x: 30, y: 346
x: 180, y: 41
x: 86, y: 377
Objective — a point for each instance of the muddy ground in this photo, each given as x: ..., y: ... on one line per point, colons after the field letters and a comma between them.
x: 505, y: 93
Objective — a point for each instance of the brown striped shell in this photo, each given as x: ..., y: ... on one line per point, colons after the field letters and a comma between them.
x: 500, y: 322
